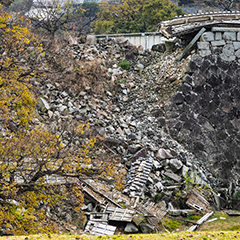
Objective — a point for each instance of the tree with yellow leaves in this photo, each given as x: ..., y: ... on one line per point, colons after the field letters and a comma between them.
x: 39, y: 168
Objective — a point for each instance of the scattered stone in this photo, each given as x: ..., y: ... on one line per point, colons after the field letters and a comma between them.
x: 163, y: 154
x: 175, y: 164
x: 172, y: 176
x: 130, y: 228
x: 146, y: 228
x: 43, y: 105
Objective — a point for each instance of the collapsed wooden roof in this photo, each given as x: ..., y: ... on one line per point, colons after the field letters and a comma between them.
x: 183, y: 25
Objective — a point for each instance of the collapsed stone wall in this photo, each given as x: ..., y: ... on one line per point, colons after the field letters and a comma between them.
x: 204, y: 116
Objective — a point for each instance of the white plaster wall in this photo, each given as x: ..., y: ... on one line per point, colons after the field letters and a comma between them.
x: 147, y: 40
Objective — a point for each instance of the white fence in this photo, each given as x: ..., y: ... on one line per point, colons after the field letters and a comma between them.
x: 147, y: 40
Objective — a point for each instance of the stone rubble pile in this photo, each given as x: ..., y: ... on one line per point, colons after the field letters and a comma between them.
x: 137, y: 123
x: 132, y: 118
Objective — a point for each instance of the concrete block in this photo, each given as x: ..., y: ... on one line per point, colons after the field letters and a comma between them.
x: 175, y: 164
x: 218, y: 36
x: 203, y: 45
x: 236, y: 45
x: 218, y: 43
x: 208, y: 36
x: 230, y: 36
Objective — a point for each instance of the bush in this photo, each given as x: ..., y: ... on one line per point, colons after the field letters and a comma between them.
x: 125, y: 64
x: 158, y: 197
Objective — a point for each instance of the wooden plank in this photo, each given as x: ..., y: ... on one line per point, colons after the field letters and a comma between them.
x: 200, y: 221
x: 97, y: 228
x: 99, y: 217
x: 124, y: 215
x: 197, y: 201
x: 117, y: 214
x: 101, y: 194
x: 194, y: 40
x: 112, y: 209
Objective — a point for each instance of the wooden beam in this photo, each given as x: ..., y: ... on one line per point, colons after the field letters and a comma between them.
x: 201, y: 221
x: 194, y: 40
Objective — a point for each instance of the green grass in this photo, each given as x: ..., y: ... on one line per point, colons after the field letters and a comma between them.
x: 227, y: 224
x: 228, y: 228
x: 177, y: 235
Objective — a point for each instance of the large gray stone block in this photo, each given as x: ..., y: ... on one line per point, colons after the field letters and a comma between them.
x: 238, y: 36
x: 208, y: 36
x: 227, y: 58
x: 203, y: 45
x: 175, y: 164
x: 218, y: 43
x: 204, y: 53
x: 218, y: 36
x: 130, y: 228
x: 228, y: 50
x: 237, y: 53
x: 230, y: 36
x: 236, y: 45
x: 163, y: 154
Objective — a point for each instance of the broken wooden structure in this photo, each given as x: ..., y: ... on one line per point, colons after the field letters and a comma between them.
x: 118, y: 214
x: 198, y: 202
x: 154, y: 211
x: 183, y: 25
x: 99, y: 228
x: 138, y: 175
x: 99, y: 222
x: 97, y: 196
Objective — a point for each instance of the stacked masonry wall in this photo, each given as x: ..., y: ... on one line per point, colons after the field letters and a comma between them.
x: 224, y: 42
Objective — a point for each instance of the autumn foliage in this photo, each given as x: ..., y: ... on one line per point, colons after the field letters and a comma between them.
x: 39, y: 168
x: 134, y: 16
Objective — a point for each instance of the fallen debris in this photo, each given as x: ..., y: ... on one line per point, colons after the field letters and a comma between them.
x: 198, y: 202
x: 138, y: 175
x: 99, y: 217
x: 194, y: 40
x: 156, y: 211
x: 97, y: 228
x: 182, y: 212
x: 89, y: 189
x: 212, y: 220
x: 200, y: 221
x: 118, y: 214
x: 233, y: 214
